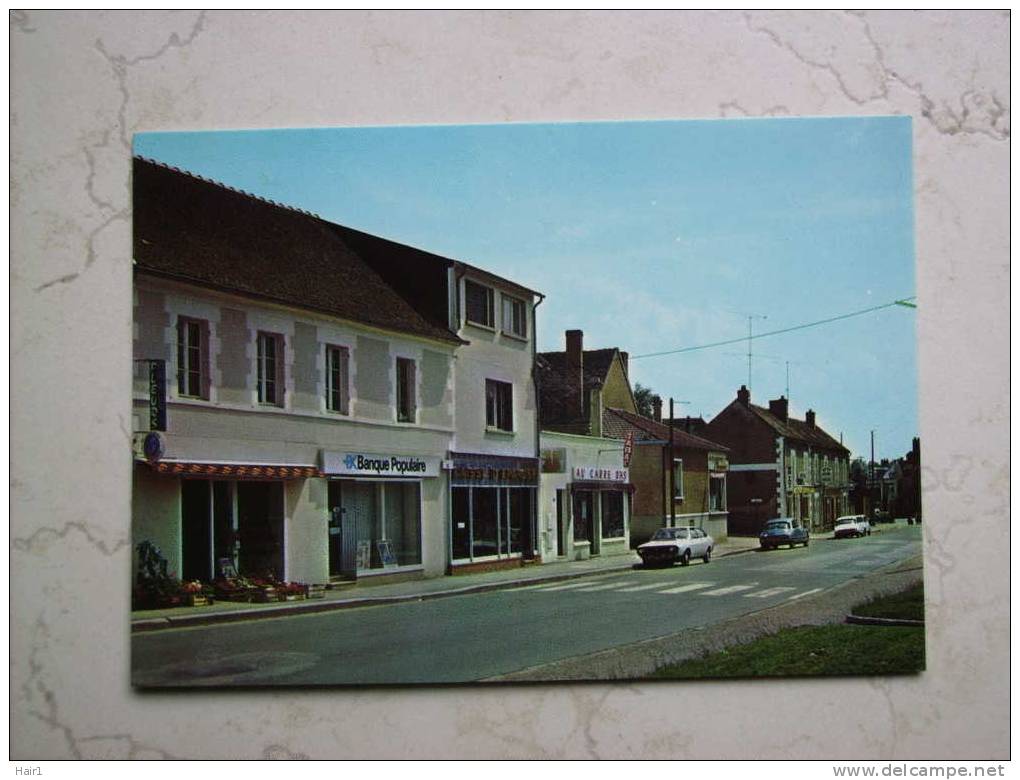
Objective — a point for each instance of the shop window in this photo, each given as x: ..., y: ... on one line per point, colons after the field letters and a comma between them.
x: 717, y: 494
x: 269, y: 363
x: 461, y: 523
x: 499, y: 405
x: 514, y: 317
x: 612, y: 514
x: 490, y: 522
x: 405, y: 390
x: 678, y: 479
x: 479, y: 300
x: 337, y: 372
x: 387, y: 521
x: 192, y: 360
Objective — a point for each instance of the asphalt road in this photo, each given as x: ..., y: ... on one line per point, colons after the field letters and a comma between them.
x: 466, y: 638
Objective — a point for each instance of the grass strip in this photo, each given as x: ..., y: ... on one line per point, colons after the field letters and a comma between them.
x: 812, y: 650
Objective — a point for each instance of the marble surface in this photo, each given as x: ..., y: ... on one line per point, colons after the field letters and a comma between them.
x: 82, y: 83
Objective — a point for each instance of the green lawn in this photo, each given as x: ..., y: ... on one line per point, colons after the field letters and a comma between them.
x: 908, y: 605
x: 838, y: 649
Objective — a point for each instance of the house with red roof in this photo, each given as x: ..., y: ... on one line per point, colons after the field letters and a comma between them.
x: 780, y: 466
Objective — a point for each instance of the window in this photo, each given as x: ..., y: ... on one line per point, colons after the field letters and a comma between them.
x: 499, y: 405
x: 337, y: 395
x: 612, y: 514
x: 717, y: 494
x: 489, y: 522
x: 191, y: 351
x: 678, y: 479
x: 405, y: 390
x: 269, y: 362
x: 514, y: 317
x: 480, y: 310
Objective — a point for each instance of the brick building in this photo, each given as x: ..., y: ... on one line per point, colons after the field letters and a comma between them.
x: 780, y: 466
x: 588, y: 393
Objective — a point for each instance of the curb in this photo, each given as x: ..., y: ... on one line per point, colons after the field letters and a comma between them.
x: 145, y: 625
x: 861, y: 620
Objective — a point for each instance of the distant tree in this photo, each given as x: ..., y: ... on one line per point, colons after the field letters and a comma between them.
x: 643, y: 399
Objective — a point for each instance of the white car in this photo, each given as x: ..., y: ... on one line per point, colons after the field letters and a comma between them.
x: 851, y: 525
x: 670, y: 545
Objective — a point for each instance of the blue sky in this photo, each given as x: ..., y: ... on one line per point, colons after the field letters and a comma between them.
x: 647, y: 236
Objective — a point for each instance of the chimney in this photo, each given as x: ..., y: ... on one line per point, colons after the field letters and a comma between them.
x: 744, y: 395
x: 779, y: 408
x: 595, y: 410
x: 575, y: 369
x: 625, y: 359
x: 810, y: 418
x: 657, y: 408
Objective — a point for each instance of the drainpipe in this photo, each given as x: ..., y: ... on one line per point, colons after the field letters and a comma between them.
x: 538, y: 417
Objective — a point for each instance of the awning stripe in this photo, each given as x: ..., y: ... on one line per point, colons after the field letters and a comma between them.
x: 238, y: 471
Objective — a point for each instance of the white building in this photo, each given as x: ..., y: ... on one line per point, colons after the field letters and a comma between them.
x: 312, y: 425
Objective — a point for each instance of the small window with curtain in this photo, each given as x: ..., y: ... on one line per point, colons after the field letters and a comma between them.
x: 192, y: 373
x: 406, y: 410
x: 499, y: 405
x: 678, y: 479
x: 269, y: 369
x: 479, y: 304
x: 514, y: 317
x: 337, y: 394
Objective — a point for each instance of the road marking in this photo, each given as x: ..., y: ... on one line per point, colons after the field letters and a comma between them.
x: 727, y: 590
x: 689, y: 587
x: 805, y: 593
x: 607, y: 586
x: 768, y: 593
x: 641, y: 587
x: 867, y: 562
x: 565, y: 587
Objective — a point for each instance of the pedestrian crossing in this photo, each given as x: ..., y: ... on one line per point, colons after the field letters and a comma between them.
x: 749, y: 590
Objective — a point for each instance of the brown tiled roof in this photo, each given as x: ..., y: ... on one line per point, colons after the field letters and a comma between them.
x: 559, y: 401
x: 798, y: 430
x: 202, y: 232
x: 617, y: 423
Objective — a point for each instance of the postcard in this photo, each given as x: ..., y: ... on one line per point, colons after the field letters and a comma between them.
x: 525, y: 402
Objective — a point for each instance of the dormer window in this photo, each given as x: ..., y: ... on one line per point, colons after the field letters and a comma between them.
x: 479, y: 301
x: 514, y: 317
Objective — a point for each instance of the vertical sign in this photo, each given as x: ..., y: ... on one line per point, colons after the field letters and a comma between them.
x: 157, y: 395
x: 628, y: 448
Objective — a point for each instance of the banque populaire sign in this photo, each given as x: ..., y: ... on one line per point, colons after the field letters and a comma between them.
x: 368, y: 464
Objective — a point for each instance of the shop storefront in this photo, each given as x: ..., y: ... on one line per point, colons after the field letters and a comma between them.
x: 585, y: 501
x: 600, y: 503
x: 376, y: 508
x: 231, y: 516
x: 492, y: 510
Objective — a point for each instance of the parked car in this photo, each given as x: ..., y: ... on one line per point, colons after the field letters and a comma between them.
x: 783, y: 530
x: 670, y: 545
x: 851, y: 526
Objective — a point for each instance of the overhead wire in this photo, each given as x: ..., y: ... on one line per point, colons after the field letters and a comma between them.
x: 744, y: 339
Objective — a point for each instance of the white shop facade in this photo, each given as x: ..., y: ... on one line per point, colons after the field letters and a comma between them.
x: 585, y: 497
x: 383, y: 507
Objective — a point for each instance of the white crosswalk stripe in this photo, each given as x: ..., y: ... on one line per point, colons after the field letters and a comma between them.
x: 688, y: 587
x: 636, y: 588
x: 728, y: 590
x: 768, y: 592
x: 805, y: 593
x: 563, y: 587
x: 607, y: 586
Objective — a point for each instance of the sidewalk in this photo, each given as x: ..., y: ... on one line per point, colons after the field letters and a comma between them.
x: 365, y: 594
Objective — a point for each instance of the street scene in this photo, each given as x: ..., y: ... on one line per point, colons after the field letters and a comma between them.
x: 521, y: 628
x: 374, y: 446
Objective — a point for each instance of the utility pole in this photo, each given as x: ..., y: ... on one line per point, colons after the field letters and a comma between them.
x: 871, y: 480
x: 672, y: 472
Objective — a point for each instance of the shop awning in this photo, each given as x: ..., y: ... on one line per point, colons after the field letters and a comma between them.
x: 233, y: 470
